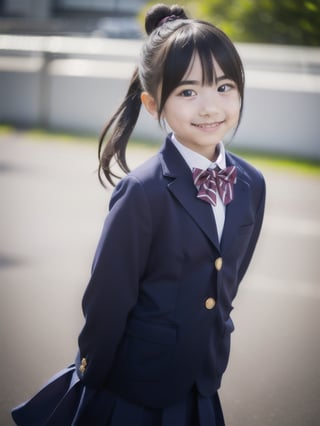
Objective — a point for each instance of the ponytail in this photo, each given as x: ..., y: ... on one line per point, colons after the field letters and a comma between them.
x: 125, y: 119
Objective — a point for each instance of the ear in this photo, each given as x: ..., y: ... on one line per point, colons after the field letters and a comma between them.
x: 150, y: 104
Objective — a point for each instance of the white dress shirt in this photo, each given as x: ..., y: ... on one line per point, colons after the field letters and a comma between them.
x: 195, y: 160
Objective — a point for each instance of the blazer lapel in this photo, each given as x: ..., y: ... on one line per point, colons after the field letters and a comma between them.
x: 183, y: 189
x: 235, y: 211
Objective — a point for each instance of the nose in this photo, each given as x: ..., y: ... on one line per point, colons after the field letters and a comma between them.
x: 209, y: 103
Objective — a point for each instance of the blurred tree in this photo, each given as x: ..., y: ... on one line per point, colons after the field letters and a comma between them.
x: 261, y: 21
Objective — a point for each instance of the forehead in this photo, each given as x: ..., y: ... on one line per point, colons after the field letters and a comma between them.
x: 198, y: 70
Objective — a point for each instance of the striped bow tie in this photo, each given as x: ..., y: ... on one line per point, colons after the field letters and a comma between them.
x: 209, y: 182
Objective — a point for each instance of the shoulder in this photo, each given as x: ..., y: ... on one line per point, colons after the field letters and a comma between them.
x: 147, y: 171
x: 141, y: 182
x: 246, y: 170
x: 250, y: 176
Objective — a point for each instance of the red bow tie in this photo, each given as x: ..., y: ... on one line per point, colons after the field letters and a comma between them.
x: 209, y: 182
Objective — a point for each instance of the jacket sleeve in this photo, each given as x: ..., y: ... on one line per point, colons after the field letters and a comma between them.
x: 113, y: 288
x: 257, y: 227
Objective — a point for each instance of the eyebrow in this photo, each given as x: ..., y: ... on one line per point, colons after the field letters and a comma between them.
x: 188, y: 82
x: 197, y: 82
x: 222, y: 77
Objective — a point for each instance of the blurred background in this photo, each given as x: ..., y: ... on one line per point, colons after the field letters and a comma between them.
x: 69, y: 61
x: 64, y: 68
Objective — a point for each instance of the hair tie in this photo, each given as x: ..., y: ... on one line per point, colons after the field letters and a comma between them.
x: 167, y: 19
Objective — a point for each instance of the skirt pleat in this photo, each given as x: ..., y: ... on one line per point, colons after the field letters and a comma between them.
x: 210, y: 411
x: 65, y: 401
x: 60, y: 395
x: 95, y: 408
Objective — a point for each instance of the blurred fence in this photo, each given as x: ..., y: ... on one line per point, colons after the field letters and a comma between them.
x: 75, y: 83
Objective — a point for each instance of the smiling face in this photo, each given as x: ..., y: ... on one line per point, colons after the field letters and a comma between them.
x: 192, y: 77
x: 200, y: 115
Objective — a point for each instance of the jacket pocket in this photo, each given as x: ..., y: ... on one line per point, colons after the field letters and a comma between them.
x: 146, y: 351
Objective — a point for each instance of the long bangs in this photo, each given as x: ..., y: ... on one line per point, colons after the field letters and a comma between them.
x: 212, y: 42
x: 177, y: 62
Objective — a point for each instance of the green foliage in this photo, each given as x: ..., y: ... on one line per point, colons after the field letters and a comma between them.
x: 295, y: 22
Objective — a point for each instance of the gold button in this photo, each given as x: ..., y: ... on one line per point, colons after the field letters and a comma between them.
x: 210, y: 303
x: 218, y: 263
x: 83, y: 365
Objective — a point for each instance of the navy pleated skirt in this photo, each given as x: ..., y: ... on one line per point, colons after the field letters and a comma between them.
x: 65, y: 401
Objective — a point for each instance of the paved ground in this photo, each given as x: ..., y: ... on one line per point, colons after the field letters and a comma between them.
x: 52, y: 210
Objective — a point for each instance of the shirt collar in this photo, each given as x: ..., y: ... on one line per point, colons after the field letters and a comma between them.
x: 196, y: 160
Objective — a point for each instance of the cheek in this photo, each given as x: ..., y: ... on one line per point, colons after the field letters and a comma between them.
x: 234, y: 109
x: 172, y: 111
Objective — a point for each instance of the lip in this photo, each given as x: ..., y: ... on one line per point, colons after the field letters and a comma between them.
x: 208, y: 126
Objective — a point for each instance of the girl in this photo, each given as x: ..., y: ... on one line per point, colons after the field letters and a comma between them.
x: 177, y: 241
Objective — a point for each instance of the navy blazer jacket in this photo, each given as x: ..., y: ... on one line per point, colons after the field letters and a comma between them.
x: 150, y: 333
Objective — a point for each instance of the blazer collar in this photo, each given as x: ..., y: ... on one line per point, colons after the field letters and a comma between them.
x: 183, y: 189
x: 180, y: 184
x: 236, y: 210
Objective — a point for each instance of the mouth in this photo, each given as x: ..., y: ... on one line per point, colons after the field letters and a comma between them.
x: 207, y: 126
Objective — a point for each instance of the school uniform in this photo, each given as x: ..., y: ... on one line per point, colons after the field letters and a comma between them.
x: 156, y: 337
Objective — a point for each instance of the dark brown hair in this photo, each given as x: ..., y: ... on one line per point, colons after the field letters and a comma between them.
x: 165, y: 58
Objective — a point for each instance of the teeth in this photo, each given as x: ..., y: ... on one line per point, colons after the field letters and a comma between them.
x: 206, y: 125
